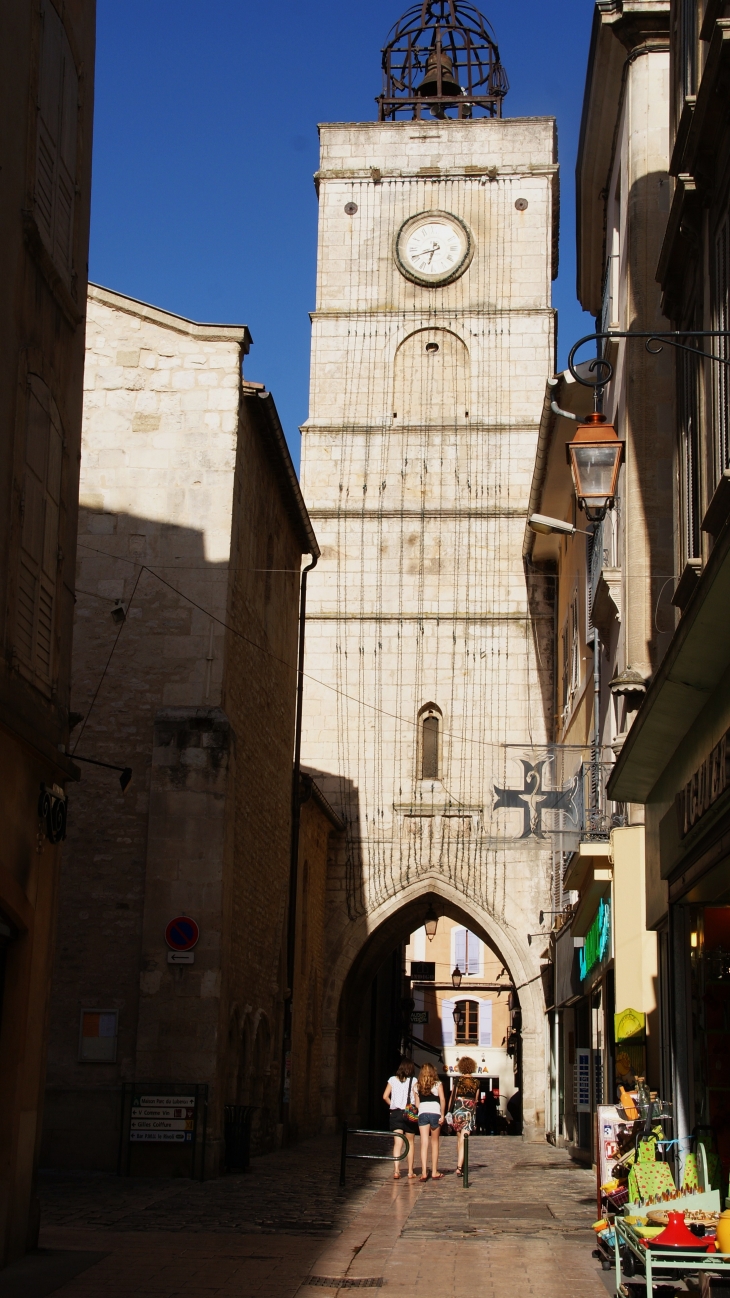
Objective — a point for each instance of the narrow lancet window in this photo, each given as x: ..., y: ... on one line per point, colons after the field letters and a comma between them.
x: 430, y: 748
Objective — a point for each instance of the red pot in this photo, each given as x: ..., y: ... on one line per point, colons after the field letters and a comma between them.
x: 677, y: 1236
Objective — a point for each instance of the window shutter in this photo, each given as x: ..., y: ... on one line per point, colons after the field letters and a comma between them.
x: 447, y: 1022
x: 38, y: 559
x: 721, y: 315
x: 460, y: 948
x: 56, y: 143
x: 472, y: 954
x: 485, y: 1023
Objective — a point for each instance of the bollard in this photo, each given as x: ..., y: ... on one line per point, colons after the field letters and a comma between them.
x: 465, y: 1166
x: 343, y: 1154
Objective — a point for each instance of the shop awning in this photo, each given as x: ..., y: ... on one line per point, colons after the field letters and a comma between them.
x: 697, y: 658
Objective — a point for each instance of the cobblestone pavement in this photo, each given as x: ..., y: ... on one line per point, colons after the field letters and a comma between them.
x: 286, y: 1229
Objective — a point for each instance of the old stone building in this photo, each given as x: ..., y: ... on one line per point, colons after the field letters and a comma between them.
x: 46, y: 107
x: 427, y: 720
x: 191, y: 533
x: 320, y: 832
x: 615, y: 612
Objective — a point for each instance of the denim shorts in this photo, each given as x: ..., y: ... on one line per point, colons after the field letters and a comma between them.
x: 429, y: 1120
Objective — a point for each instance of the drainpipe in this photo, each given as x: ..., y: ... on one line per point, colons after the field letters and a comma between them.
x: 596, y: 772
x: 291, y: 926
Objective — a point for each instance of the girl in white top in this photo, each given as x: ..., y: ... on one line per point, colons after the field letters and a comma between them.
x: 431, y: 1110
x: 400, y: 1092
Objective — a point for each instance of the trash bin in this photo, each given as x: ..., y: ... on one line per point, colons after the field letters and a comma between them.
x: 237, y: 1132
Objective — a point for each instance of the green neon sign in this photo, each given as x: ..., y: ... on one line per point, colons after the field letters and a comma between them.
x: 596, y: 940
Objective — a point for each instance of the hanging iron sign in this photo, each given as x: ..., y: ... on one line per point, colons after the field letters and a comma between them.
x: 182, y: 933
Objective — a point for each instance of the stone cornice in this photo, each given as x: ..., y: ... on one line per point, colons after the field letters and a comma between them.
x: 491, y: 174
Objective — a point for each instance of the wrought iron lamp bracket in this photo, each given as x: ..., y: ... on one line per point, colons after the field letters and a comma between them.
x: 671, y: 337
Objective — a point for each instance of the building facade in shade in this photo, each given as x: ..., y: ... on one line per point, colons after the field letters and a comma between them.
x: 191, y: 533
x: 615, y: 615
x: 675, y: 758
x: 46, y: 106
x: 428, y: 698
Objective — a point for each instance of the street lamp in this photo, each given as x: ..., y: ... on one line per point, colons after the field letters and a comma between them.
x: 459, y: 1017
x: 594, y: 456
x: 543, y: 913
x: 431, y: 923
x: 456, y: 977
x: 545, y: 525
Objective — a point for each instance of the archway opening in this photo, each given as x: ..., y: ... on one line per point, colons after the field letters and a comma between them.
x: 401, y: 997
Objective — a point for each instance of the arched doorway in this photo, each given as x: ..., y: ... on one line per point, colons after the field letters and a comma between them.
x: 364, y: 1005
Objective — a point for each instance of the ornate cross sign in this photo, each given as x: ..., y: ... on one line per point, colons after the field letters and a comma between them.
x: 532, y: 799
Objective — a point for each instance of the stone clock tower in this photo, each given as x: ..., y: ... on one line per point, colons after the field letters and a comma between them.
x: 428, y: 692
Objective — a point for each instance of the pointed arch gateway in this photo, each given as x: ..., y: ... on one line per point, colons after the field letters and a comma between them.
x: 361, y: 950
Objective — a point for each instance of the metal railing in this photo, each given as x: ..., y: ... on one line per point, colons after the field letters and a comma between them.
x: 376, y: 1158
x: 597, y: 815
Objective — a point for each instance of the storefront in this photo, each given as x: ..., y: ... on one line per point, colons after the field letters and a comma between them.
x: 676, y: 762
x: 580, y: 1023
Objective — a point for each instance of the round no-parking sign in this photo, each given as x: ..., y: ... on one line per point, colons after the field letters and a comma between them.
x: 182, y: 933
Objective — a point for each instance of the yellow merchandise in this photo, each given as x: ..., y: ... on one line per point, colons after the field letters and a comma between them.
x: 722, y: 1238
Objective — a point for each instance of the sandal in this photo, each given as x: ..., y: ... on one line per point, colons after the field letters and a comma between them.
x: 437, y: 1176
x: 459, y: 1171
x: 423, y: 1178
x: 396, y: 1176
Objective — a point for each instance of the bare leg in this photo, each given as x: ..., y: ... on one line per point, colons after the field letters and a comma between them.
x: 424, y: 1133
x: 397, y: 1150
x: 459, y: 1151
x: 410, y: 1137
x: 435, y: 1134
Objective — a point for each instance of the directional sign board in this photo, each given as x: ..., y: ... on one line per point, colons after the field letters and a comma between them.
x: 169, y: 1118
x: 182, y: 933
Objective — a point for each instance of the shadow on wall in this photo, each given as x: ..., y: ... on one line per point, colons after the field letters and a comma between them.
x: 650, y: 440
x: 145, y: 643
x: 541, y: 590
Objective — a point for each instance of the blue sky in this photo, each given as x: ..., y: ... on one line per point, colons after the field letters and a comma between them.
x: 205, y: 141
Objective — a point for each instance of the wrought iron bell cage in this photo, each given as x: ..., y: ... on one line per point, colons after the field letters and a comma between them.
x: 441, y: 60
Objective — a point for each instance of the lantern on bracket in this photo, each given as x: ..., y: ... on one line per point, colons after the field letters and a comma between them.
x: 430, y: 923
x: 594, y: 456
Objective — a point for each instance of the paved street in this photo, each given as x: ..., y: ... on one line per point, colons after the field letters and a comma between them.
x: 523, y: 1228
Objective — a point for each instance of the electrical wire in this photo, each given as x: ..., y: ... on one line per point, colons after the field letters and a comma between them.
x: 106, y: 668
x: 406, y: 721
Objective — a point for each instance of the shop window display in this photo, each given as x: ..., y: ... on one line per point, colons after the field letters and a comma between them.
x: 710, y: 979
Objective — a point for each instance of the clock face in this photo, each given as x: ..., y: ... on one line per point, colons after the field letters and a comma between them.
x: 433, y: 248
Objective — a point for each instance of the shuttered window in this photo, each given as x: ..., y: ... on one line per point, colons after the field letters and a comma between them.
x: 467, y: 950
x: 689, y: 446
x: 485, y: 1023
x: 38, y: 559
x: 447, y: 1022
x: 58, y: 99
x: 467, y: 1026
x: 721, y: 316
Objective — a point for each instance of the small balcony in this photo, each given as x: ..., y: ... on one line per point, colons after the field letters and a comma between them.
x: 597, y: 815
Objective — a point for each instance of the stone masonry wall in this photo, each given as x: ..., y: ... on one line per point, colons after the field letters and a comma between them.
x: 258, y: 697
x: 158, y: 461
x: 417, y: 461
